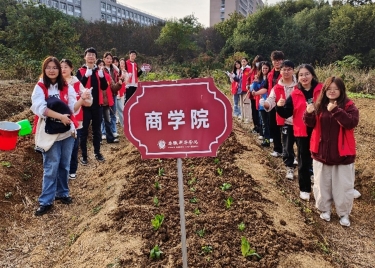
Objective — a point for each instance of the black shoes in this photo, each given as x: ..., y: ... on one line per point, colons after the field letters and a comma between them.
x: 114, y: 141
x: 99, y: 157
x: 42, y: 210
x: 265, y: 143
x: 65, y: 199
x: 83, y: 160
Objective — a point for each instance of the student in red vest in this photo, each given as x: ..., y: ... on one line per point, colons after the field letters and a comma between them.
x: 333, y: 118
x: 120, y: 98
x: 306, y: 91
x: 57, y: 148
x: 279, y: 93
x: 234, y: 87
x: 132, y: 74
x: 67, y: 73
x: 91, y: 77
x: 277, y: 57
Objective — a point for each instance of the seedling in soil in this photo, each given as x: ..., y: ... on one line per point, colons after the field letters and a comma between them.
x: 194, y: 200
x: 6, y: 164
x: 216, y: 161
x: 201, y: 232
x: 220, y: 171
x: 96, y: 210
x: 155, y: 252
x: 161, y: 172
x: 157, y: 221
x: 156, y: 201
x: 8, y: 195
x: 225, y: 186
x: 228, y: 202
x: 196, y: 211
x: 241, y: 226
x: 192, y: 189
x: 206, y: 249
x: 192, y: 181
x: 246, y: 248
x: 157, y: 185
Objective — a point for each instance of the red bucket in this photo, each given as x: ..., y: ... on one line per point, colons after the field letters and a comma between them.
x: 8, y: 135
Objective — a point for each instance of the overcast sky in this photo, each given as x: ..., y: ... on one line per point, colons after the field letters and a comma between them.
x: 167, y: 9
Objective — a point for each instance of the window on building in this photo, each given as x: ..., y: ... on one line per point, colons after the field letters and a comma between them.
x: 70, y: 9
x: 109, y: 18
x: 103, y: 6
x: 102, y: 17
x: 55, y: 4
x: 77, y: 10
x: 63, y: 7
x: 127, y: 13
x: 109, y: 8
x: 123, y: 13
x: 77, y: 2
x: 114, y: 9
x: 70, y: 1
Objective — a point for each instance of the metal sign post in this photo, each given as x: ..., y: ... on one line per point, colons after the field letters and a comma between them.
x: 182, y: 212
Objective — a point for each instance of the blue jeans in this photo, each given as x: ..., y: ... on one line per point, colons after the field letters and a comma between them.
x: 74, y: 159
x: 107, y: 123
x: 112, y: 112
x: 120, y: 110
x: 236, y: 102
x: 56, y: 162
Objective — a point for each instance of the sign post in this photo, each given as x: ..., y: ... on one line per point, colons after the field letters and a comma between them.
x: 178, y: 119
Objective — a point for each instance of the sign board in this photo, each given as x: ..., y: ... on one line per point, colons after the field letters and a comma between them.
x: 147, y: 67
x: 178, y: 119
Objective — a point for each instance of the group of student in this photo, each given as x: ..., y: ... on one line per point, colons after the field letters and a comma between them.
x: 91, y: 97
x: 292, y: 107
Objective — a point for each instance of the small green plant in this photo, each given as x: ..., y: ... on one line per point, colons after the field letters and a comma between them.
x: 194, y: 200
x: 6, y: 164
x: 216, y: 161
x: 8, y: 195
x: 220, y: 171
x: 157, y: 221
x: 225, y: 186
x: 156, y: 201
x: 201, y: 232
x: 192, y: 189
x: 73, y: 238
x: 161, y: 172
x: 228, y: 202
x: 324, y: 247
x: 241, y: 226
x: 192, y: 181
x: 196, y: 211
x: 206, y: 249
x: 157, y: 185
x: 246, y: 248
x: 155, y: 252
x: 96, y: 209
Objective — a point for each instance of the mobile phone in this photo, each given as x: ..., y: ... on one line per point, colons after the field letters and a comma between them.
x: 309, y: 101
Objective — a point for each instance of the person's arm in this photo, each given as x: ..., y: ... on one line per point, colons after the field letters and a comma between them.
x: 309, y: 116
x: 270, y: 102
x: 286, y: 111
x: 103, y: 82
x: 82, y: 78
x: 348, y: 118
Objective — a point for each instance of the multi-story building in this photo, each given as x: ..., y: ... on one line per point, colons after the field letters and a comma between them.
x: 220, y: 9
x: 104, y: 10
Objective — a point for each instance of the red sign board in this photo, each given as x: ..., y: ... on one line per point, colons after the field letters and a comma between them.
x: 178, y: 119
x: 147, y: 67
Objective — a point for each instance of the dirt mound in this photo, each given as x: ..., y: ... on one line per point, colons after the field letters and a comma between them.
x: 109, y: 223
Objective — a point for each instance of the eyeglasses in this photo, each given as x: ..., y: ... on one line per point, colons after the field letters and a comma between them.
x: 88, y: 54
x: 52, y: 68
x: 286, y: 69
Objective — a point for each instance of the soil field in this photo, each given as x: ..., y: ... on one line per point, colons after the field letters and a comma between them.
x: 109, y: 223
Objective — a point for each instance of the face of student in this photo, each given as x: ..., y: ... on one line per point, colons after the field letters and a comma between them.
x: 108, y: 60
x: 101, y: 65
x: 305, y: 78
x: 243, y: 62
x: 122, y: 64
x: 90, y: 58
x: 52, y: 71
x: 238, y: 66
x: 265, y: 69
x: 286, y: 72
x: 132, y: 56
x: 115, y: 62
x: 333, y: 92
x: 66, y: 70
x: 277, y: 64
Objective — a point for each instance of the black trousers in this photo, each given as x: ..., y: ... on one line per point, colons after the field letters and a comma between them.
x: 288, y: 143
x: 93, y: 115
x: 129, y: 92
x: 275, y: 133
x: 304, y: 163
x: 255, y: 114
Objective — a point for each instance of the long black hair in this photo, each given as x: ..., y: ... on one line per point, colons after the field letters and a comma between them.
x: 314, y: 80
x: 323, y: 100
x: 59, y: 79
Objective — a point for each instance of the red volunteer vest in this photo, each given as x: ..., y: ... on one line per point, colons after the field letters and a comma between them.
x: 279, y: 92
x: 269, y: 78
x: 129, y: 69
x: 88, y: 84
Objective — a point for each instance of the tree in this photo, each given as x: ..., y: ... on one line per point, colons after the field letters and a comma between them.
x: 226, y: 28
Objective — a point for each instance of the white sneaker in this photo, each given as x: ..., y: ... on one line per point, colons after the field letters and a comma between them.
x: 72, y: 176
x: 289, y: 174
x: 356, y: 194
x: 260, y: 138
x: 304, y: 196
x: 312, y: 179
x: 326, y: 215
x: 344, y: 220
x: 275, y: 154
x: 239, y: 117
x: 115, y: 135
x: 246, y: 121
x: 271, y: 140
x: 295, y: 161
x: 103, y: 137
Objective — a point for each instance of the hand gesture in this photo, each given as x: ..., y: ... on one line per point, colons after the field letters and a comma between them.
x: 101, y: 73
x: 281, y: 102
x: 88, y: 72
x: 331, y: 106
x: 65, y: 119
x: 310, y: 107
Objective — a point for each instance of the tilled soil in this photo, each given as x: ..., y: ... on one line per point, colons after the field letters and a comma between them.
x: 109, y: 223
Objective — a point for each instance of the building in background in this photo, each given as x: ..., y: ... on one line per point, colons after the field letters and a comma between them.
x: 104, y: 10
x: 220, y: 9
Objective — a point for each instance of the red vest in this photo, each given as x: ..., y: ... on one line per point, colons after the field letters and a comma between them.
x: 269, y: 78
x: 63, y: 96
x: 76, y: 86
x: 346, y: 140
x: 279, y: 92
x: 129, y: 69
x: 245, y: 76
x: 108, y: 91
x: 88, y: 84
x: 299, y: 107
